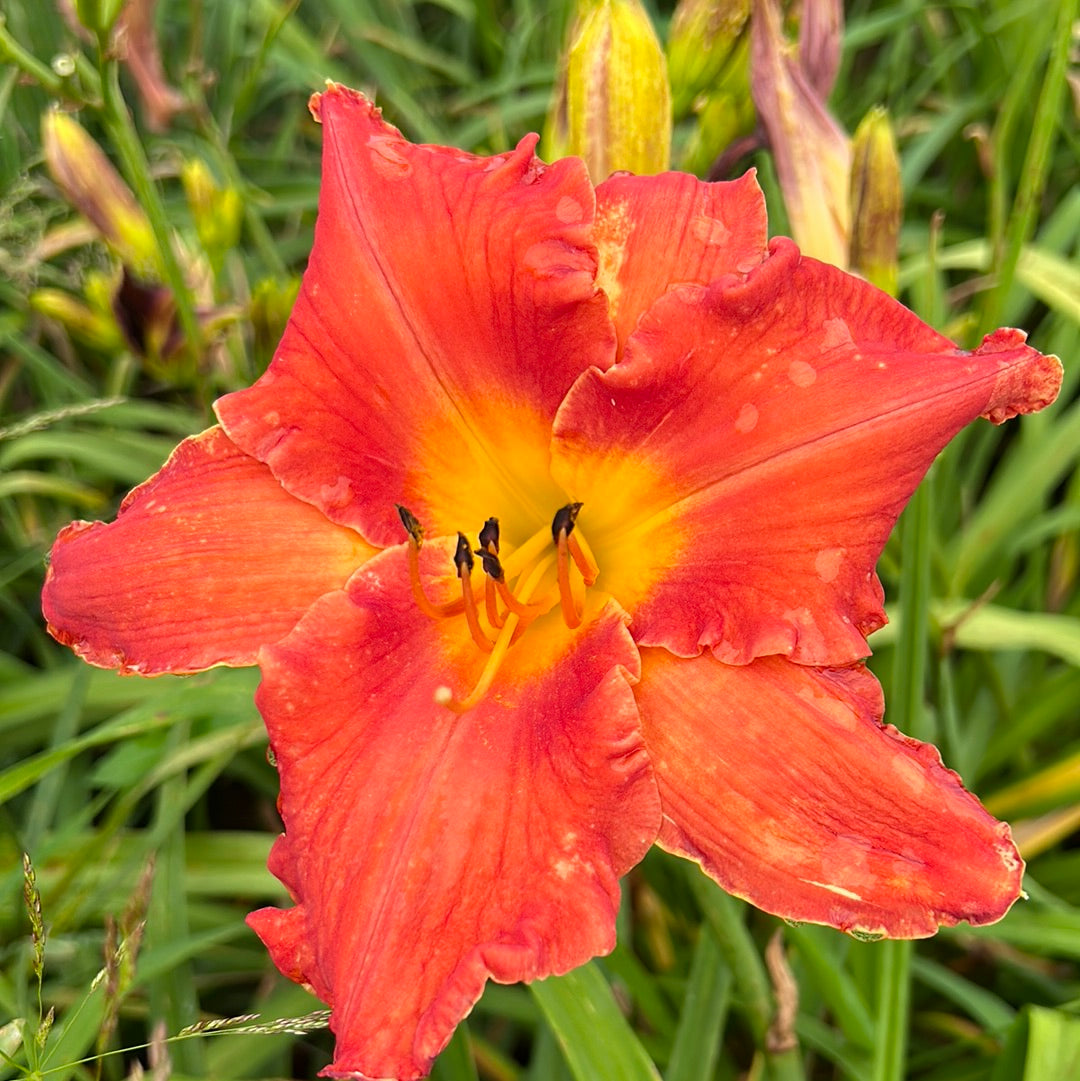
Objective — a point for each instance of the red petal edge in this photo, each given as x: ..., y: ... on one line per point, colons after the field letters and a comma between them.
x: 207, y: 561
x: 769, y: 431
x: 428, y: 851
x: 782, y: 783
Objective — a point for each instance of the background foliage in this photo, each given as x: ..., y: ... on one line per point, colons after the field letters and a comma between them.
x: 151, y: 800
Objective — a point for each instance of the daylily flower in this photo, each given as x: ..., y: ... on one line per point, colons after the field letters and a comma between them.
x: 552, y: 526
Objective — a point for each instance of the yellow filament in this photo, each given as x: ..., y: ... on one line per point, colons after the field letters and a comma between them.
x: 471, y: 616
x: 445, y: 696
x: 524, y: 554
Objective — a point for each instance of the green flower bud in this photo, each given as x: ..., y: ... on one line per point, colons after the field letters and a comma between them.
x: 217, y: 212
x: 95, y: 189
x: 86, y: 324
x: 703, y: 37
x: 877, y: 201
x: 613, y: 104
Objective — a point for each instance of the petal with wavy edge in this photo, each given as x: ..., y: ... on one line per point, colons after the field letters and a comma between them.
x: 448, y: 305
x: 742, y: 466
x: 653, y: 232
x: 782, y: 782
x: 429, y: 851
x: 207, y: 561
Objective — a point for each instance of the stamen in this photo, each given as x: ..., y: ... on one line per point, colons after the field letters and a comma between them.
x: 564, y: 520
x: 463, y: 560
x: 583, y: 557
x: 489, y: 536
x: 493, y: 569
x: 416, y: 539
x: 571, y: 613
x: 444, y: 696
x: 489, y: 542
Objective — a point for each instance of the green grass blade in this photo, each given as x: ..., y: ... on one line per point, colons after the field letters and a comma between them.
x: 595, y: 1037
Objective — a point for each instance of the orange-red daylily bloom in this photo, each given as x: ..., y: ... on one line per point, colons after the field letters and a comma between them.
x: 552, y: 527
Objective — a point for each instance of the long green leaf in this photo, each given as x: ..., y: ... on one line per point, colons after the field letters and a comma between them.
x: 596, y: 1039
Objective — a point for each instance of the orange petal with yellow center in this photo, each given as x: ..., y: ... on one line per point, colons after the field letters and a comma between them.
x: 428, y: 851
x: 448, y: 305
x: 782, y: 782
x: 653, y: 232
x: 746, y: 460
x: 207, y: 561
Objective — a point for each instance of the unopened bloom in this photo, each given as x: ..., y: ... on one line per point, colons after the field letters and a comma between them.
x: 877, y: 201
x: 96, y: 190
x: 812, y: 153
x: 552, y: 526
x: 612, y: 102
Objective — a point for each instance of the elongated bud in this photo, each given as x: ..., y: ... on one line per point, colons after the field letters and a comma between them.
x: 95, y: 189
x: 811, y: 152
x: 614, y: 105
x: 90, y: 326
x: 723, y: 114
x: 703, y: 37
x: 876, y: 201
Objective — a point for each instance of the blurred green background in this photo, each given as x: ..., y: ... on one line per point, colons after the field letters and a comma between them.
x: 102, y: 777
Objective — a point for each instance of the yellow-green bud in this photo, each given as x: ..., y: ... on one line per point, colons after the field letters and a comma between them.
x: 89, y: 326
x: 615, y: 107
x: 216, y: 211
x: 877, y: 201
x: 703, y: 36
x: 95, y: 189
x: 722, y: 115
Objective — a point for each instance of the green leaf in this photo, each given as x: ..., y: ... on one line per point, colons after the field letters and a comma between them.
x: 596, y: 1039
x: 1045, y: 1044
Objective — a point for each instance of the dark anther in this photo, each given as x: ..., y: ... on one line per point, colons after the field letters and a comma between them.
x: 411, y: 523
x: 489, y: 535
x: 492, y: 566
x: 463, y: 559
x: 564, y: 520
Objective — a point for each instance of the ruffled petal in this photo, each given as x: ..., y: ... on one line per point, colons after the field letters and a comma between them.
x: 742, y: 466
x: 207, y: 561
x: 653, y: 232
x: 780, y: 780
x: 448, y: 305
x: 428, y: 851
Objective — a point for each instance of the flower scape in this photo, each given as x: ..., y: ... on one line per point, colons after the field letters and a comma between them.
x: 552, y: 528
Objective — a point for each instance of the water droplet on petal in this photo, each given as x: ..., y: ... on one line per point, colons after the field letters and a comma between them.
x: 801, y: 373
x: 747, y: 419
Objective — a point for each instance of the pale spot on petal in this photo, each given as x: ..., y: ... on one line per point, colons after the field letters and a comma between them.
x: 837, y: 333
x: 809, y: 633
x: 710, y: 230
x: 801, y: 373
x: 747, y: 419
x: 827, y: 563
x: 338, y: 494
x: 839, y: 890
x: 568, y: 210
